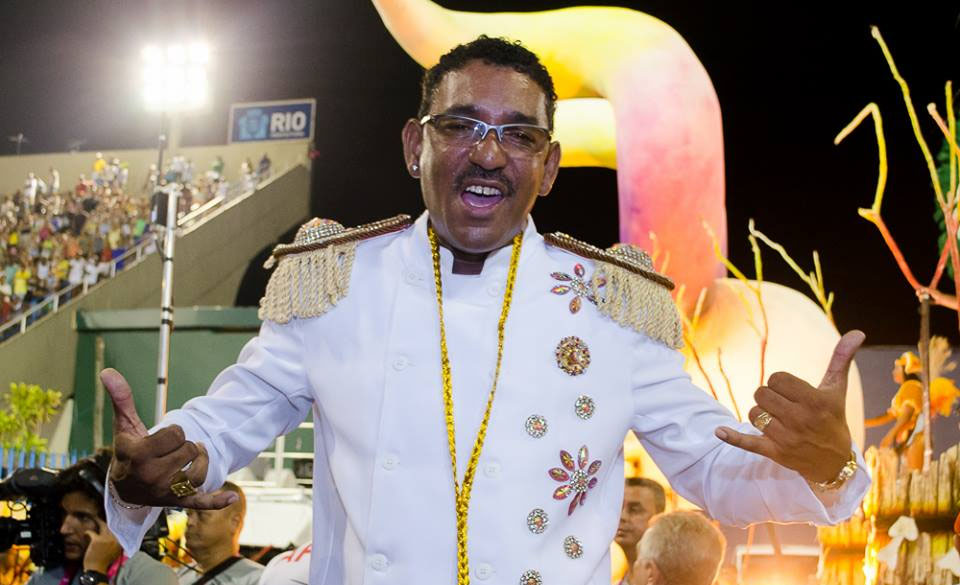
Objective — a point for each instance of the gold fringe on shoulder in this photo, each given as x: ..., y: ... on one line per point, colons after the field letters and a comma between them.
x: 313, y: 273
x: 634, y: 294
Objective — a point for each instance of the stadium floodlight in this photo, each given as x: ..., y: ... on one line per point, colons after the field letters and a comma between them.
x: 175, y: 76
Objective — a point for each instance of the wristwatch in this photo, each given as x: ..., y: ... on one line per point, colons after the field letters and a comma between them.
x: 848, y: 471
x: 93, y: 578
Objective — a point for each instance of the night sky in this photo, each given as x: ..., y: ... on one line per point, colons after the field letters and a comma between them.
x: 789, y: 76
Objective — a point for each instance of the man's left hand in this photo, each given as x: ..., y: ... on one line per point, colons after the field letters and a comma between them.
x: 808, y: 430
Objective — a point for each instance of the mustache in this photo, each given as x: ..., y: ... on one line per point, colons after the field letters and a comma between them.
x: 475, y: 172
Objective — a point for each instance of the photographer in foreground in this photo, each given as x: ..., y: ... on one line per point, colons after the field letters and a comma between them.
x: 92, y: 553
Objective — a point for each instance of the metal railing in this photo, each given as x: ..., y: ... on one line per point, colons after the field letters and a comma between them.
x: 279, y: 455
x: 14, y: 459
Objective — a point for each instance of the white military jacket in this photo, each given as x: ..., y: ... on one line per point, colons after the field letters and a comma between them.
x: 549, y: 486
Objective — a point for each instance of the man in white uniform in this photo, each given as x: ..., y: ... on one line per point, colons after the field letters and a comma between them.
x: 471, y: 380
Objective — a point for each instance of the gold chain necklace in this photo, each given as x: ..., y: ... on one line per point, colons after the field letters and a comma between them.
x: 462, y: 493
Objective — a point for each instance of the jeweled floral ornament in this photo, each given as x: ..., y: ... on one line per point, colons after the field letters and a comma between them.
x: 577, y: 477
x: 578, y: 285
x: 573, y: 355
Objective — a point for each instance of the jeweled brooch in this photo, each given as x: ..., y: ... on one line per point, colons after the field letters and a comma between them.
x: 578, y: 285
x: 573, y: 355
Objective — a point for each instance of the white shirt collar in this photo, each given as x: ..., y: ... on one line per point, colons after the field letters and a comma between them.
x: 496, y: 263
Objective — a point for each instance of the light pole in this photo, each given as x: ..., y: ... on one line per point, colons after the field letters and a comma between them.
x: 175, y: 80
x: 19, y: 139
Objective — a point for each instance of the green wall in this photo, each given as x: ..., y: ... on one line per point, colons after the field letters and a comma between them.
x: 205, y: 341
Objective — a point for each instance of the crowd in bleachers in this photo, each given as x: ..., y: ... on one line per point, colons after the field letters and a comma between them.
x: 53, y: 237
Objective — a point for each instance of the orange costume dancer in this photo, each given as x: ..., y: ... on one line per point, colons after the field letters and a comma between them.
x: 906, y: 408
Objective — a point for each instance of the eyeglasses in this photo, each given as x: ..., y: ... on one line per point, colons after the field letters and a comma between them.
x: 516, y: 139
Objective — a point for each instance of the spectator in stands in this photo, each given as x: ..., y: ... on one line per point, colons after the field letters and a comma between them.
x: 75, y: 275
x: 6, y: 289
x: 59, y: 269
x: 679, y: 548
x: 82, y: 186
x: 21, y: 277
x: 213, y: 539
x: 6, y: 306
x: 92, y: 553
x: 54, y: 181
x: 263, y: 169
x: 642, y: 499
x: 217, y: 167
x: 30, y: 188
x: 91, y: 270
x: 99, y: 168
x: 43, y: 275
x: 247, y: 176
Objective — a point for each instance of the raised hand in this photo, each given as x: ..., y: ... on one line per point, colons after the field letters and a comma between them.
x: 144, y: 466
x: 102, y: 548
x: 804, y: 428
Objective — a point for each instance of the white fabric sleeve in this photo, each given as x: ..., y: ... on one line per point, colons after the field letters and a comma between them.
x: 264, y: 395
x: 675, y: 421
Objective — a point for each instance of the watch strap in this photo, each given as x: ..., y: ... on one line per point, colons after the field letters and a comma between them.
x: 89, y: 577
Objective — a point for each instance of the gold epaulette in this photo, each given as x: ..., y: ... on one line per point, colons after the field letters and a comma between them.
x: 313, y: 273
x: 633, y: 293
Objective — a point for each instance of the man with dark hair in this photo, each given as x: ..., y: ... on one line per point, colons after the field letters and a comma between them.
x: 492, y: 51
x: 213, y: 540
x: 642, y: 499
x: 472, y: 380
x: 93, y: 555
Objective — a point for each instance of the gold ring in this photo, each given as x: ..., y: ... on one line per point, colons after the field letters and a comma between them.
x: 763, y: 420
x: 181, y: 486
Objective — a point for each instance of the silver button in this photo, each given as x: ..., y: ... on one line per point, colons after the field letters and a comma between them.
x: 400, y: 363
x: 379, y: 562
x: 492, y: 470
x: 484, y: 571
x: 390, y: 462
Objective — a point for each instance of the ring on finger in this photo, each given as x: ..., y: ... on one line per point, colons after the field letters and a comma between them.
x: 762, y: 420
x: 181, y: 486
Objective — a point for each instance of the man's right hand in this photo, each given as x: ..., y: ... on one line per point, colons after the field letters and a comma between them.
x: 145, y: 465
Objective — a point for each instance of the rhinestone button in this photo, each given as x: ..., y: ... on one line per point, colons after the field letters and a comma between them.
x: 585, y: 407
x: 536, y: 426
x: 531, y: 578
x: 572, y: 547
x: 537, y: 521
x: 573, y: 355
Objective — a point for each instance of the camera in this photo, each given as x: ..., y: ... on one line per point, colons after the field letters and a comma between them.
x: 40, y: 529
